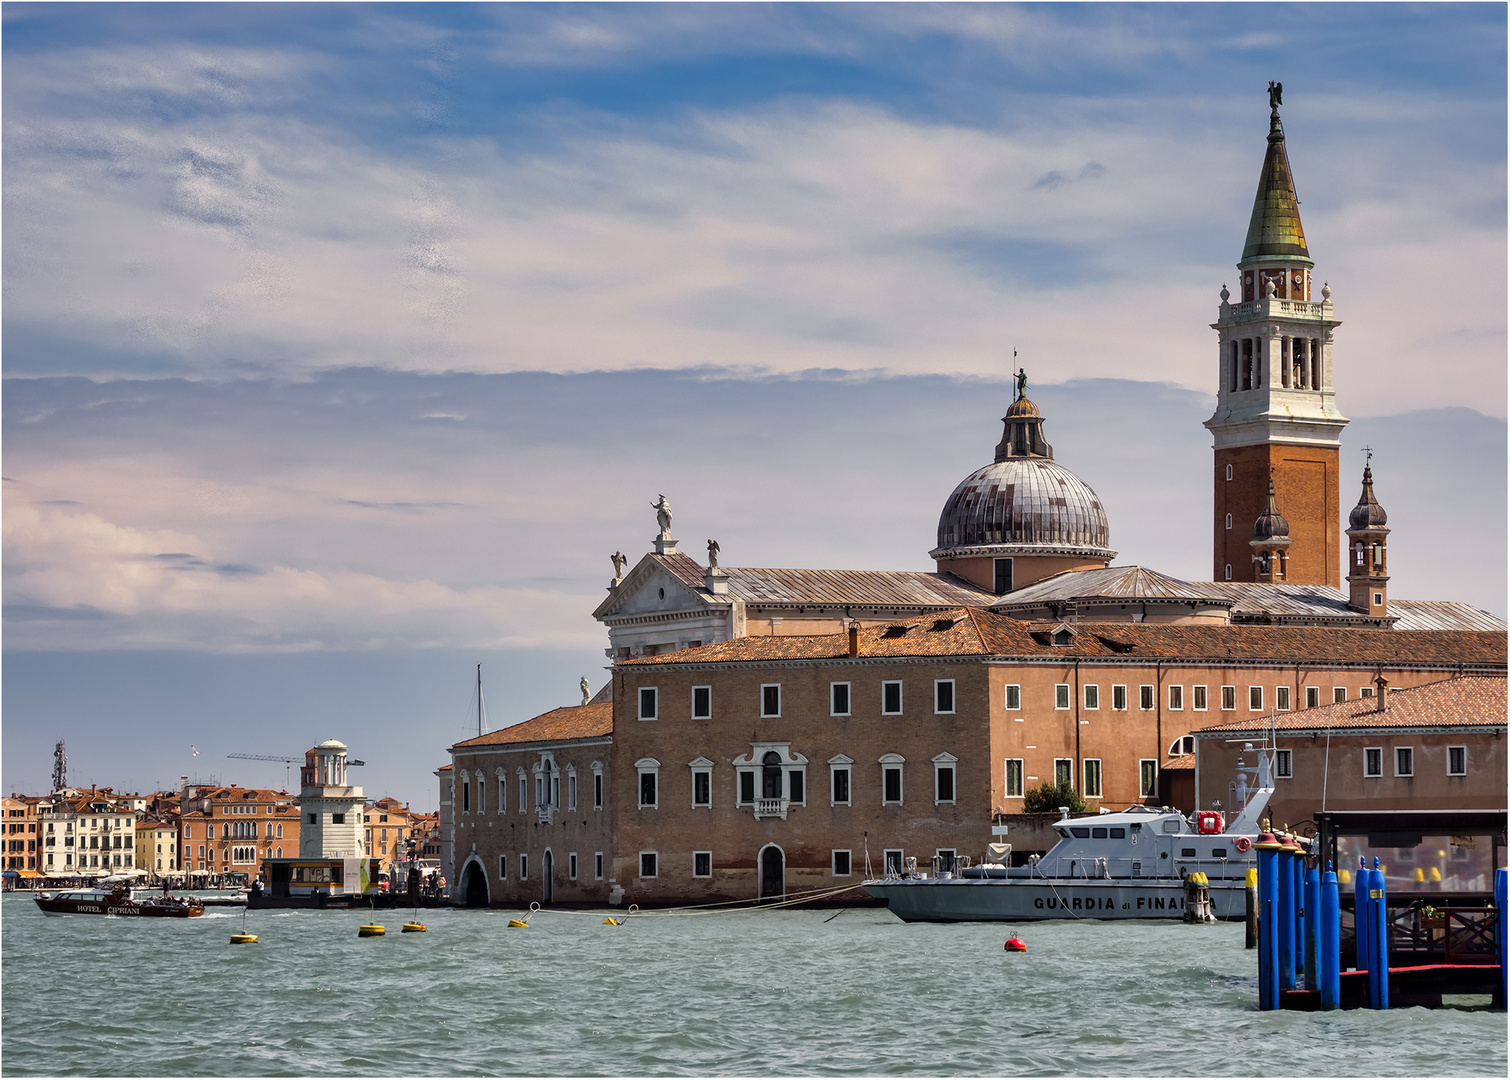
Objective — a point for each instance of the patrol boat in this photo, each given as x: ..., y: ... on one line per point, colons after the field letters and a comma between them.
x: 1127, y: 865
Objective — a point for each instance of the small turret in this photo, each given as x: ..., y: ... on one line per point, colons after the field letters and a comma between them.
x: 1270, y: 543
x: 1367, y: 563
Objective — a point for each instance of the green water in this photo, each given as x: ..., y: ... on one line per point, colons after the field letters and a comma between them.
x: 749, y: 994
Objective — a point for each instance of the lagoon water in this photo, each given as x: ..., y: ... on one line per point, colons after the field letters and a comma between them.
x: 748, y: 994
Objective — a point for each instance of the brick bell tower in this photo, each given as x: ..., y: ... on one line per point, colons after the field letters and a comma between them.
x: 1275, y: 417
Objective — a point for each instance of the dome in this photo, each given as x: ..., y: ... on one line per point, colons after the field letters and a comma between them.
x: 1368, y: 514
x: 1271, y: 528
x: 1030, y: 503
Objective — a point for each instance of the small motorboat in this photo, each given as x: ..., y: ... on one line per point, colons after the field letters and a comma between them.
x: 118, y: 901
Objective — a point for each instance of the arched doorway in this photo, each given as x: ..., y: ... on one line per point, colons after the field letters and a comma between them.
x: 474, y: 885
x: 545, y: 882
x: 772, y: 871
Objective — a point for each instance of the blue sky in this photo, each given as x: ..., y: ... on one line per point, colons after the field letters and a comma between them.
x: 344, y: 343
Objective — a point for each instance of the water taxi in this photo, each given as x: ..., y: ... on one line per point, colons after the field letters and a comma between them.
x: 118, y: 901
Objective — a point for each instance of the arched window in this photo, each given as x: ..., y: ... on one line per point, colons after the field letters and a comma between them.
x: 770, y: 775
x: 1229, y: 571
x: 1229, y: 521
x: 1229, y: 472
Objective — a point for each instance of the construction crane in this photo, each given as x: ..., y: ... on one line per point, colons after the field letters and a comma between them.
x: 287, y: 762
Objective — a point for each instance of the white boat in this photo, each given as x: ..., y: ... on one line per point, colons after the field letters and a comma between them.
x: 1126, y: 865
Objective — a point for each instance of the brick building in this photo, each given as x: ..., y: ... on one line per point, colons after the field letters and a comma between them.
x: 232, y: 830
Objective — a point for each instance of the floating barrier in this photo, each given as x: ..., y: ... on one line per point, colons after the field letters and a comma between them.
x: 373, y: 930
x: 413, y: 928
x: 1016, y: 945
x: 243, y: 939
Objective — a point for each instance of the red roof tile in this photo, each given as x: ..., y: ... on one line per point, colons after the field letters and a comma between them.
x: 558, y: 725
x: 1471, y: 701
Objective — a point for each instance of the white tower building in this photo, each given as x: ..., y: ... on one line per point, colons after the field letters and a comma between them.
x: 329, y: 807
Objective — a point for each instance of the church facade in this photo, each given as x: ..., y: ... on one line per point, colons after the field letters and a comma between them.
x: 771, y: 731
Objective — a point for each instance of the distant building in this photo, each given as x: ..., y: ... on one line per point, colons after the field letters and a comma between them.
x: 1438, y: 746
x: 330, y: 808
x: 157, y: 845
x: 234, y: 830
x: 386, y: 825
x: 21, y: 837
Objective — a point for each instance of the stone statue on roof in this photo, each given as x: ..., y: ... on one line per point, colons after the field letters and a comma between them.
x: 619, y: 562
x: 1276, y: 89
x: 663, y: 517
x: 586, y: 690
x: 713, y: 550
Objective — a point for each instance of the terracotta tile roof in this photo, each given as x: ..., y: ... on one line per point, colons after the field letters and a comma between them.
x: 969, y: 632
x: 1471, y: 701
x: 1184, y: 761
x: 558, y: 725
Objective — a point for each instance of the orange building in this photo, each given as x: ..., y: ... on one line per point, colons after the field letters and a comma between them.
x: 231, y: 830
x: 386, y: 826
x: 20, y: 834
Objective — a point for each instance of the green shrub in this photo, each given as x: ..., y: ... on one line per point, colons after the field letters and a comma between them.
x: 1048, y: 798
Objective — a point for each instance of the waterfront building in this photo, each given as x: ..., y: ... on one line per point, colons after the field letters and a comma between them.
x: 157, y: 844
x: 330, y: 808
x: 21, y: 836
x: 1434, y: 746
x: 229, y: 830
x: 386, y: 825
x: 87, y: 833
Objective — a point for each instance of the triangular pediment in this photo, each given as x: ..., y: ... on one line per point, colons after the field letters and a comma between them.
x: 652, y: 587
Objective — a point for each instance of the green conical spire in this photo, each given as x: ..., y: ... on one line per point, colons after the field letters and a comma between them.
x: 1275, y: 229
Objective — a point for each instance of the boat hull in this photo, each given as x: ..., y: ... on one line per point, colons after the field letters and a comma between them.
x: 148, y: 909
x: 1031, y: 900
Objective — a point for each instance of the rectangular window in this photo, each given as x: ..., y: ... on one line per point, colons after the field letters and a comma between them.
x: 839, y: 778
x: 841, y: 864
x: 1013, y: 780
x: 702, y: 788
x: 571, y: 793
x: 891, y: 698
x: 597, y: 865
x: 1405, y: 761
x: 943, y: 695
x: 1313, y: 696
x: 747, y: 786
x: 795, y: 787
x: 1282, y: 765
x: 338, y: 819
x: 1365, y: 691
x: 1014, y: 698
x: 1092, y: 696
x: 648, y: 705
x: 1176, y: 698
x: 1229, y: 698
x: 1002, y: 576
x: 1145, y: 698
x: 702, y: 864
x: 1148, y: 777
x: 943, y: 783
x: 946, y: 857
x: 647, y: 789
x: 1256, y: 698
x: 524, y: 793
x: 838, y: 699
x: 524, y: 867
x: 702, y: 702
x: 503, y: 868
x: 1457, y: 761
x: 1282, y: 698
x: 597, y: 791
x: 891, y: 784
x: 1198, y: 698
x: 1064, y: 771
x: 1339, y: 694
x: 893, y: 860
x: 1373, y: 761
x: 466, y: 803
x: 1062, y: 696
x: 1092, y: 788
x: 571, y: 866
x: 770, y: 699
x: 1119, y: 698
x: 649, y: 864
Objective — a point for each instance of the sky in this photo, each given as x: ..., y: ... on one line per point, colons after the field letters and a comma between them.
x: 343, y: 344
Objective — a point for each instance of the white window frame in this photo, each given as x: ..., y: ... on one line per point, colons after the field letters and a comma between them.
x: 1200, y: 700
x: 837, y: 764
x: 1229, y: 694
x: 1365, y: 691
x: 1012, y: 698
x: 901, y: 704
x: 655, y: 702
x: 1282, y: 699
x: 1175, y: 697
x: 1339, y: 694
x: 1411, y: 752
x: 897, y: 762
x: 597, y: 866
x: 503, y: 788
x: 597, y: 785
x: 1090, y: 693
x: 571, y: 866
x: 1376, y: 773
x: 1153, y: 788
x: 709, y: 855
x: 938, y: 684
x: 524, y: 867
x: 941, y: 762
x: 655, y: 864
x: 1313, y: 697
x: 897, y: 865
x: 740, y: 773
x: 1464, y: 770
x: 1085, y: 769
x: 1119, y: 691
x: 849, y: 699
x: 647, y: 766
x: 1255, y: 699
x: 503, y: 868
x: 776, y: 686
x: 1069, y: 769
x: 833, y: 862
x: 701, y: 767
x: 524, y: 790
x: 692, y: 703
x: 1284, y: 765
x: 1062, y: 698
x: 1148, y: 699
x: 1006, y: 778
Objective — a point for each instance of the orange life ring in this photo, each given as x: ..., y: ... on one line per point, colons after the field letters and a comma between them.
x: 1242, y: 843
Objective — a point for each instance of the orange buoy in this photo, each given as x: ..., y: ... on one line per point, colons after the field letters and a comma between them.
x: 1016, y: 945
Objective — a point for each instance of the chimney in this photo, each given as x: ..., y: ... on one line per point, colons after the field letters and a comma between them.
x: 854, y: 640
x: 1381, y: 692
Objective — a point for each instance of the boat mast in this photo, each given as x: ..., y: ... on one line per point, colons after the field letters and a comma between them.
x: 479, y: 700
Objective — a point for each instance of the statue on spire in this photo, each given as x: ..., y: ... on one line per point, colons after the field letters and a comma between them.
x: 1276, y: 91
x: 1022, y: 384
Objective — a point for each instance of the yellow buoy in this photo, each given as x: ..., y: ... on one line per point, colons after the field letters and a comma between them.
x: 1436, y: 875
x: 243, y: 939
x: 1420, y: 875
x: 1344, y: 876
x: 414, y: 928
x: 518, y: 922
x: 611, y: 921
x: 371, y: 931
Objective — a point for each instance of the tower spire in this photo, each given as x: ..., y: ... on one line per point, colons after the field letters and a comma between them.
x: 1274, y: 228
x: 1368, y: 566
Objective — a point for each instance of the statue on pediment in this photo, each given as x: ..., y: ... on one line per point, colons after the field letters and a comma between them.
x: 663, y: 517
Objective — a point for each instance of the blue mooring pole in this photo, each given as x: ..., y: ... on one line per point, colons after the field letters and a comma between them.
x: 1378, y: 981
x: 1312, y: 925
x: 1268, y: 922
x: 1329, y: 980
x: 1361, y: 936
x: 1287, y: 906
x: 1501, y: 888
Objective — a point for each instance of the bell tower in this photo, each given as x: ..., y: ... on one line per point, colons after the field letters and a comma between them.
x: 1368, y: 566
x: 1276, y: 428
